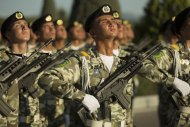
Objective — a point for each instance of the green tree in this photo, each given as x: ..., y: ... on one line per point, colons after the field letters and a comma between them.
x: 49, y: 8
x: 156, y: 13
x: 82, y: 8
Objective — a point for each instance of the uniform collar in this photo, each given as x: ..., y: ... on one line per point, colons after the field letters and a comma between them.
x: 95, y: 58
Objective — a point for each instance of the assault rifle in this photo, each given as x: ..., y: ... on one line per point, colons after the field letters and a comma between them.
x: 113, y: 86
x: 44, y: 62
x: 13, y: 70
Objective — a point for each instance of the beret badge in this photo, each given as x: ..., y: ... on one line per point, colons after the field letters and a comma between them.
x: 106, y: 9
x: 19, y: 15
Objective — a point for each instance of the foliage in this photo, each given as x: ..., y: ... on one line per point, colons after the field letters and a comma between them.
x: 156, y: 13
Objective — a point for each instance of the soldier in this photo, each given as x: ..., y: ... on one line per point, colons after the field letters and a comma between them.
x: 44, y: 28
x: 166, y: 109
x: 118, y: 51
x: 76, y: 36
x: 61, y: 34
x: 176, y: 68
x: 16, y: 32
x: 127, y: 43
x: 168, y: 37
x: 32, y: 45
x: 81, y: 73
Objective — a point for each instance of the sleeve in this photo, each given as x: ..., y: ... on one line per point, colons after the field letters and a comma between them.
x: 60, y: 80
x: 157, y: 68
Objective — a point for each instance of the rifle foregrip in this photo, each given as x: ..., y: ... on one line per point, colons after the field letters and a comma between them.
x: 5, y: 108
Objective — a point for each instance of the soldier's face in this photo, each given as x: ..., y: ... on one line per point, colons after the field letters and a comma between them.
x: 185, y: 30
x: 120, y: 29
x: 61, y: 32
x: 19, y: 32
x: 129, y: 32
x: 47, y: 31
x: 105, y: 27
x: 78, y: 33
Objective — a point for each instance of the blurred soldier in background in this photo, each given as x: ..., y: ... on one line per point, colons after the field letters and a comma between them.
x: 118, y: 51
x: 16, y: 32
x: 76, y: 35
x: 32, y: 44
x: 176, y: 68
x: 44, y: 28
x: 127, y: 43
x: 61, y: 34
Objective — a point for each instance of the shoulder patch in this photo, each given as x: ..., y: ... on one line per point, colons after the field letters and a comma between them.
x: 63, y: 64
x: 158, y: 55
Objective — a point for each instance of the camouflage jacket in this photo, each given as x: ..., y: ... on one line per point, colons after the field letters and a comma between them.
x: 66, y: 79
x: 166, y: 64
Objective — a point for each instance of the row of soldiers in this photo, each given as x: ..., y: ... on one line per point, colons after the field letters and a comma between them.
x: 60, y: 90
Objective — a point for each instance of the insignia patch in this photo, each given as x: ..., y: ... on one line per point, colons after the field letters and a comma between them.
x: 116, y: 15
x: 63, y: 64
x: 48, y: 18
x: 19, y: 15
x: 83, y: 53
x: 59, y: 22
x: 106, y: 9
x: 158, y: 55
x: 173, y: 18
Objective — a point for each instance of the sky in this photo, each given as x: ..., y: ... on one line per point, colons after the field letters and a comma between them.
x: 33, y: 7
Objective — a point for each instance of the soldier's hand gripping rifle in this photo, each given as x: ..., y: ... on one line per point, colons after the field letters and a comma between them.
x: 8, y: 73
x: 113, y: 86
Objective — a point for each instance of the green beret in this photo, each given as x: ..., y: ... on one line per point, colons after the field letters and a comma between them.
x: 36, y: 25
x: 180, y: 19
x: 58, y: 22
x: 73, y: 24
x: 103, y: 10
x: 9, y: 21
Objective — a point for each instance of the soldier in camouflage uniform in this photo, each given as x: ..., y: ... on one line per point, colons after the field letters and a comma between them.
x: 69, y: 80
x: 61, y: 118
x: 82, y: 72
x: 16, y: 32
x: 44, y: 106
x: 166, y: 108
x: 176, y: 66
x: 118, y: 51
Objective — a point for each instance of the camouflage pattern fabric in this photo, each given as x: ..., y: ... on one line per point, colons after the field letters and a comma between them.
x: 65, y: 81
x: 163, y: 72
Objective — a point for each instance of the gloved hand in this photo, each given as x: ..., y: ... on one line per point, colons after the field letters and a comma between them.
x: 91, y: 103
x: 182, y: 86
